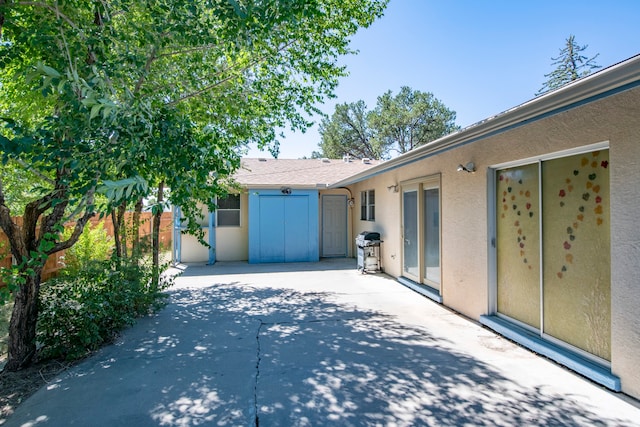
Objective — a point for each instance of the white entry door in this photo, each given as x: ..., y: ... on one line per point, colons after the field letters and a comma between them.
x: 334, y: 225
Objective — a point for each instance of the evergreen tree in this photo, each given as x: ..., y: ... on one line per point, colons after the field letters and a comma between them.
x: 570, y: 65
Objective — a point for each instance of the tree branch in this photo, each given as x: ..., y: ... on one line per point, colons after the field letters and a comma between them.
x: 33, y: 171
x: 52, y: 9
x: 77, y: 231
x: 187, y: 51
x: 10, y: 228
x: 78, y: 228
x: 147, y: 67
x: 218, y: 83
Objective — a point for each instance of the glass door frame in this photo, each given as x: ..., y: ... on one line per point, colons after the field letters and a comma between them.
x: 492, y: 215
x: 419, y: 185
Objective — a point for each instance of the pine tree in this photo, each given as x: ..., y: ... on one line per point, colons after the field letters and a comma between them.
x: 570, y: 65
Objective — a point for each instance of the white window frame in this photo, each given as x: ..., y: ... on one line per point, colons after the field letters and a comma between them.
x: 367, y: 205
x: 239, y: 210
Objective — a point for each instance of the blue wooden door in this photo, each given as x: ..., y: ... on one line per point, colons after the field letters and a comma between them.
x: 271, y: 230
x: 296, y: 228
x: 283, y: 228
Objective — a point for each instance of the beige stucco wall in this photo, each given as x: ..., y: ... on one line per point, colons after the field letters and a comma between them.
x: 232, y: 243
x: 465, y: 223
x: 192, y: 250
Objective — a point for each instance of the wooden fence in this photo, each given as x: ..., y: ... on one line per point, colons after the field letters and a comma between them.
x: 54, y: 264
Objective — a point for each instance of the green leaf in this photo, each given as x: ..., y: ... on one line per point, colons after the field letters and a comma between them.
x: 95, y: 110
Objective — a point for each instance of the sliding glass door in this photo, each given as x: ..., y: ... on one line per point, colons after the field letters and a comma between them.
x: 553, y: 249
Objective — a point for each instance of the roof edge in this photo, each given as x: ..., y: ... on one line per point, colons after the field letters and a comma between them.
x: 580, y: 91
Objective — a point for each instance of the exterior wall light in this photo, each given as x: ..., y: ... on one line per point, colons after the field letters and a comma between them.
x: 392, y: 188
x: 469, y: 167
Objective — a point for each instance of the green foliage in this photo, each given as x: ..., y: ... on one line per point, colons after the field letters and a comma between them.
x: 410, y: 119
x: 80, y: 313
x: 127, y: 96
x: 93, y: 245
x: 398, y: 123
x: 348, y: 132
x: 570, y: 65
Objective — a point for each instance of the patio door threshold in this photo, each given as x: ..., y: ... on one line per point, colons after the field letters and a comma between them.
x: 595, y: 372
x: 421, y: 289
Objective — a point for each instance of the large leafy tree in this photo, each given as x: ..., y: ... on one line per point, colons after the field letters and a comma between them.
x: 410, y: 119
x: 126, y: 96
x: 570, y: 65
x: 398, y: 123
x: 347, y: 132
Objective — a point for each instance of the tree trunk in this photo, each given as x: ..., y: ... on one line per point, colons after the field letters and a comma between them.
x: 22, y: 328
x: 116, y: 235
x: 122, y: 210
x: 135, y: 247
x: 155, y: 237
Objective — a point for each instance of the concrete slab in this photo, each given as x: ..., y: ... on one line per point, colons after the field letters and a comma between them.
x: 315, y: 344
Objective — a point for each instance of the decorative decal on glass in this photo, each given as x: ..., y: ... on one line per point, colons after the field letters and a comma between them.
x: 576, y: 251
x: 576, y: 268
x: 518, y: 243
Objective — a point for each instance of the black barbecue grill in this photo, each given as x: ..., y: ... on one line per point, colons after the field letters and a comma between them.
x: 368, y: 251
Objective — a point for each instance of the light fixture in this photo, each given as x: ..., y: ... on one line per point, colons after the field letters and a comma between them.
x: 285, y: 190
x: 469, y: 167
x: 392, y: 188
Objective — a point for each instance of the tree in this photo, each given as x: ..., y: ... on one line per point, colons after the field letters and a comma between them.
x: 570, y: 65
x: 410, y: 119
x: 347, y: 132
x: 107, y: 101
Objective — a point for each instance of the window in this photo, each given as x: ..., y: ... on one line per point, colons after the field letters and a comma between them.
x: 368, y: 205
x: 229, y: 211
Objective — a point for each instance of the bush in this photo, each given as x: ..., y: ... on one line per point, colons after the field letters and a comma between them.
x: 93, y: 245
x: 5, y: 317
x: 79, y: 313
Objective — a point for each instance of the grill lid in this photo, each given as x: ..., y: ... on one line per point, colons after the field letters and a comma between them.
x: 368, y: 235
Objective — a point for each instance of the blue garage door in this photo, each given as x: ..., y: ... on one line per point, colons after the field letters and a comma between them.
x: 283, y: 228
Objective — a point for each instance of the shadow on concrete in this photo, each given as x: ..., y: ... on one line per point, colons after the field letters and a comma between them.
x: 243, y: 267
x: 230, y: 354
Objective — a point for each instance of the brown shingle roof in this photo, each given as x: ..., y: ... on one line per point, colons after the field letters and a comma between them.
x: 302, y: 173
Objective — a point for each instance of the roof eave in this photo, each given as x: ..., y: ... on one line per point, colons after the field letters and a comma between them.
x: 278, y: 186
x: 591, y: 87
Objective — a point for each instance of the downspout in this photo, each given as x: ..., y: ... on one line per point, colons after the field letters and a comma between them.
x: 350, y: 206
x: 212, y: 239
x: 177, y: 236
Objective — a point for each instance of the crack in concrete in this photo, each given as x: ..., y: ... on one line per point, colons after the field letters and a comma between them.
x: 255, y: 388
x: 259, y: 355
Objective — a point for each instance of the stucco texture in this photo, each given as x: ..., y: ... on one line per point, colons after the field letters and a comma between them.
x: 467, y: 217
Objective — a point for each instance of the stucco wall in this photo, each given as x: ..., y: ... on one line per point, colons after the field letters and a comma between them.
x: 192, y: 250
x: 465, y: 222
x: 232, y: 242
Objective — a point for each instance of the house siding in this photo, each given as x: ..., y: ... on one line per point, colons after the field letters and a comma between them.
x: 466, y: 217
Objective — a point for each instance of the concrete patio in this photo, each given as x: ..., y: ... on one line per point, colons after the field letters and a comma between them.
x: 315, y: 344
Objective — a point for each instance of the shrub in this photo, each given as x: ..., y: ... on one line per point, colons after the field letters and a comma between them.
x: 79, y: 313
x: 93, y: 245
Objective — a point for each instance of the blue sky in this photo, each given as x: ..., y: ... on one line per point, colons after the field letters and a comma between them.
x: 478, y: 57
